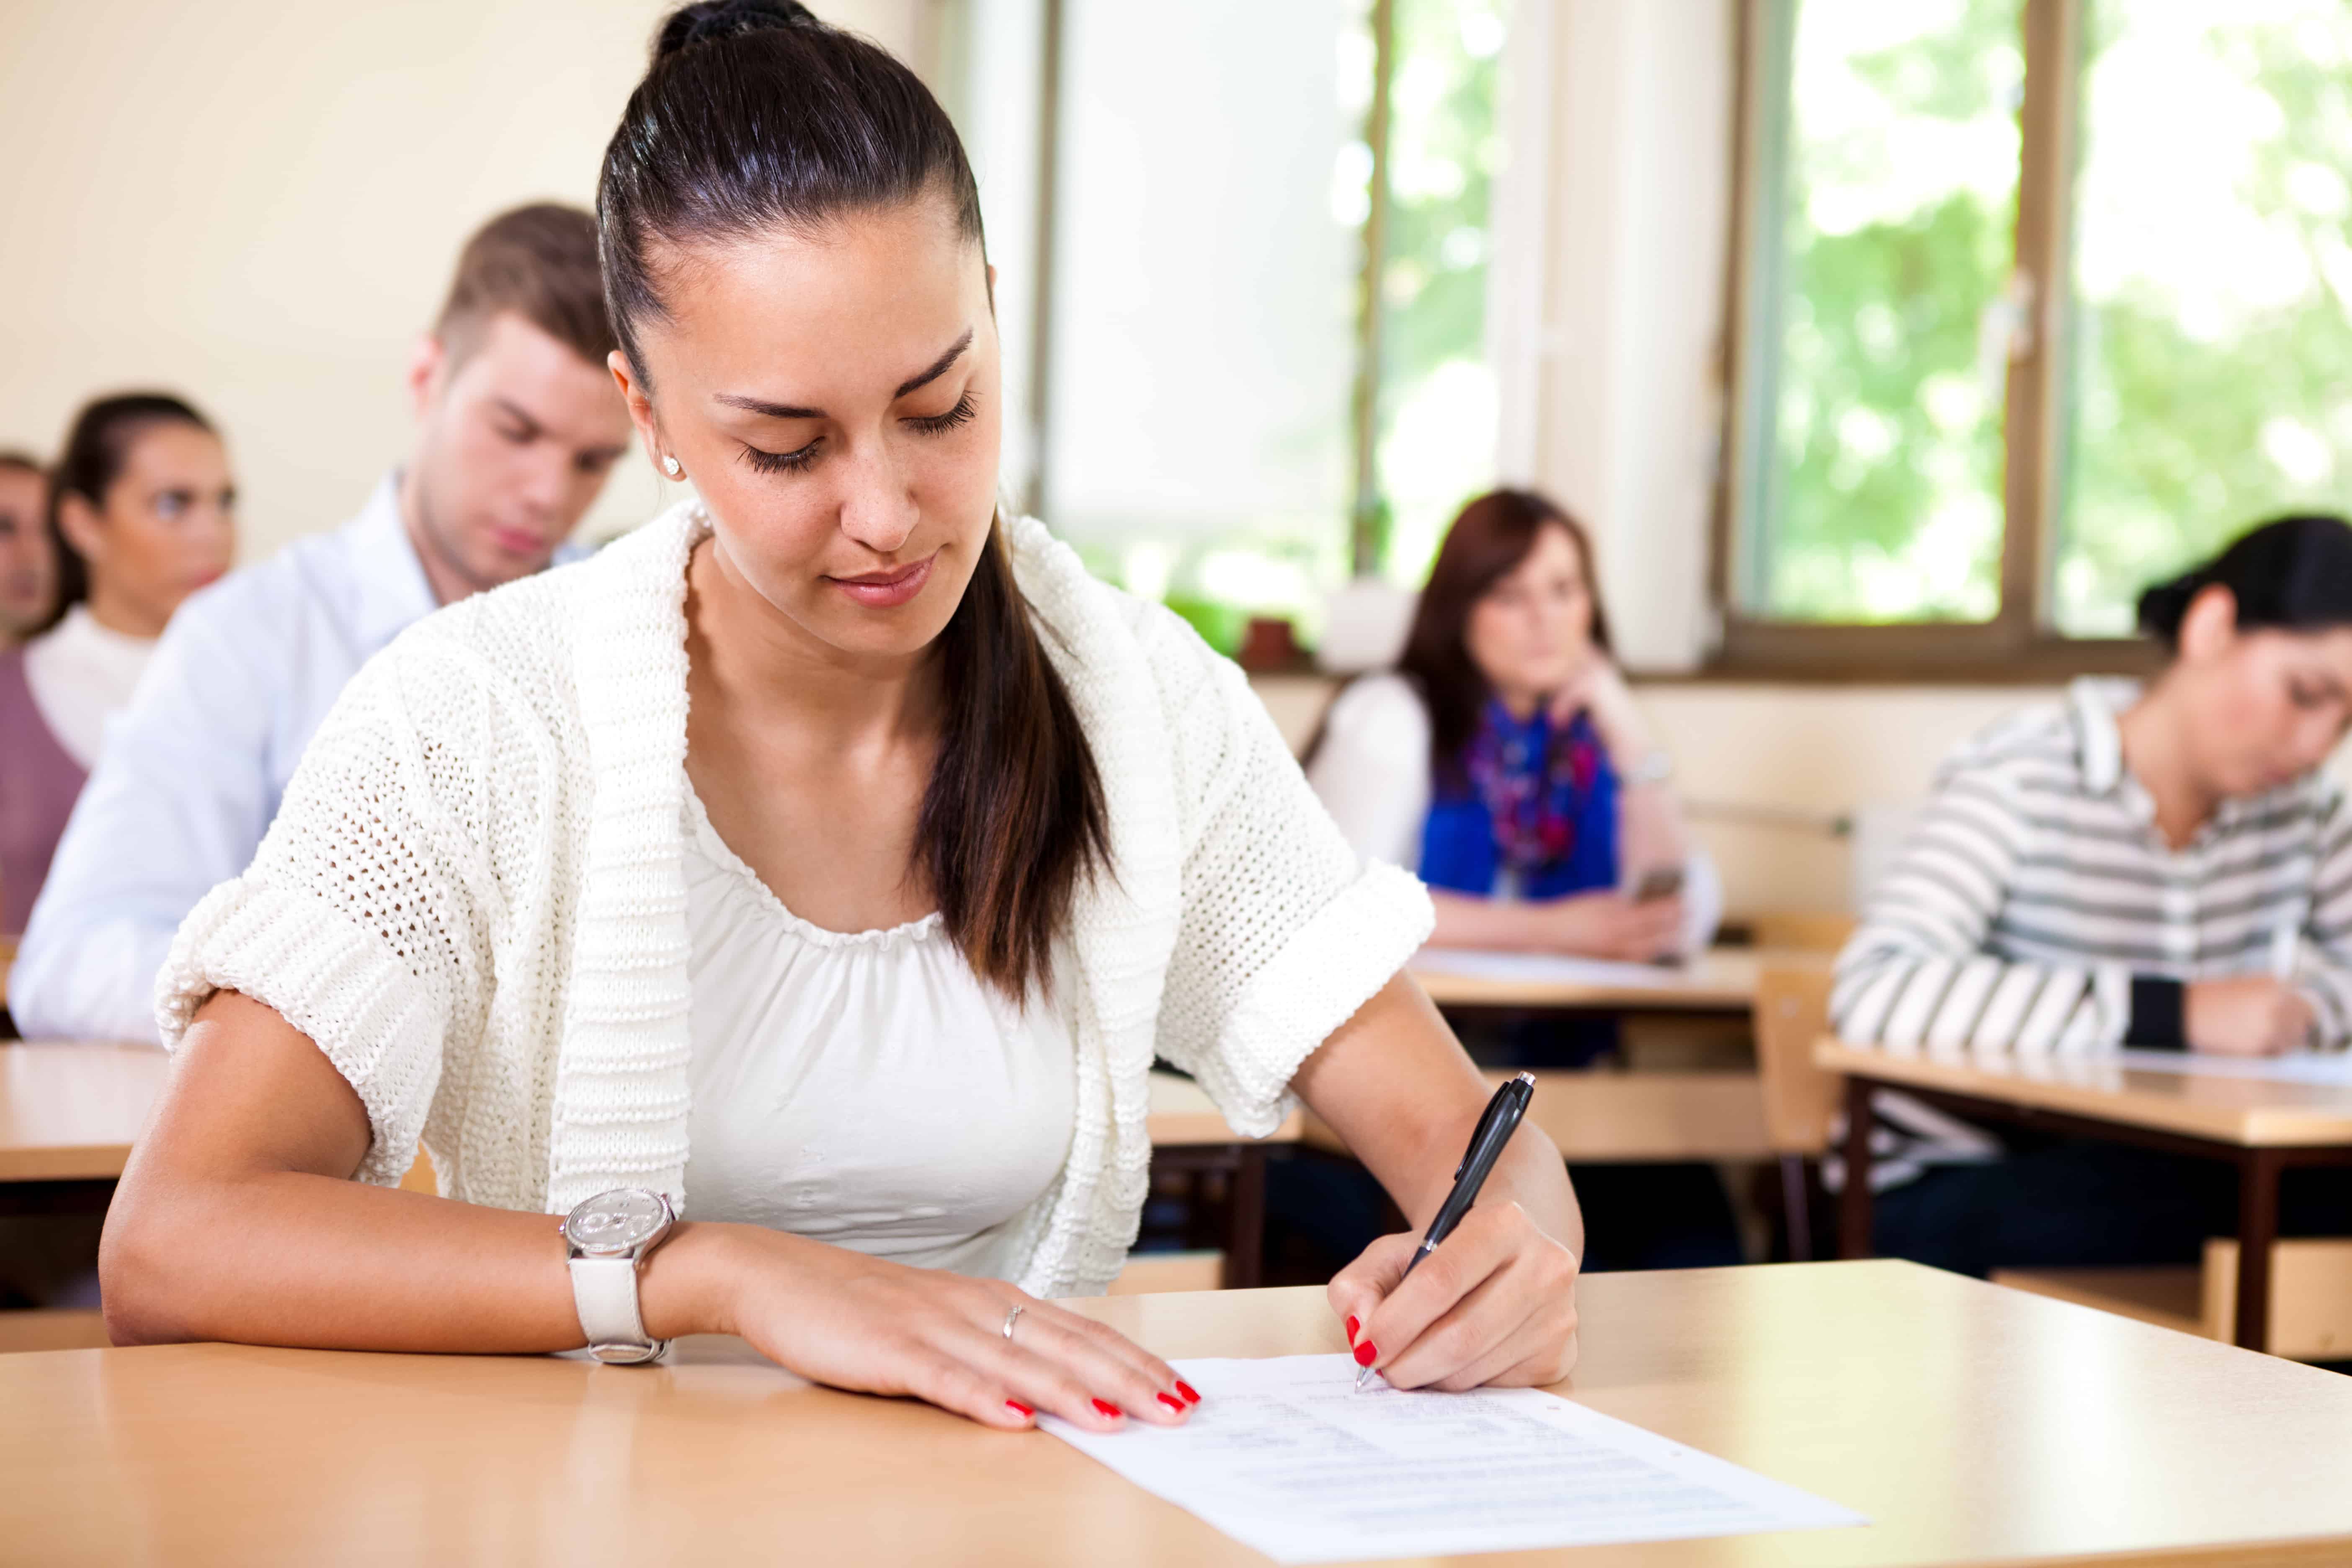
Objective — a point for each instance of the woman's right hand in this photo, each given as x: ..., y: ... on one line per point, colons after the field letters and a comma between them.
x: 866, y: 1325
x: 2245, y: 1015
x: 1610, y: 925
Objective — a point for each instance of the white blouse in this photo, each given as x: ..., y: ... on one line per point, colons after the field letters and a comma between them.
x: 81, y: 675
x: 862, y: 1088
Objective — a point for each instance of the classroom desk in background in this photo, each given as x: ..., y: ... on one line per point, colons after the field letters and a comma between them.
x: 1719, y: 981
x: 70, y: 1112
x: 1968, y: 1422
x: 2259, y: 1126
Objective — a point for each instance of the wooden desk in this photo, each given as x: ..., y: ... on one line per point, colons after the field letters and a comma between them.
x: 69, y: 1114
x: 1624, y: 1117
x: 1721, y: 980
x: 2257, y: 1125
x: 1189, y: 1136
x: 1971, y: 1423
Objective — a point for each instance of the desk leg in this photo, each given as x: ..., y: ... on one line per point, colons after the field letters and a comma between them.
x: 1853, y: 1203
x: 2258, y: 1213
x: 1245, y: 1219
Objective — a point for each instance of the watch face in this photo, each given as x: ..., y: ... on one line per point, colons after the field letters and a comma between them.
x: 612, y: 1222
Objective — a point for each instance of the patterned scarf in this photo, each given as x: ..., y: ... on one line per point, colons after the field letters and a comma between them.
x: 1533, y: 780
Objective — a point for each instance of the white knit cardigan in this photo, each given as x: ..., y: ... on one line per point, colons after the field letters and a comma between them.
x: 473, y: 897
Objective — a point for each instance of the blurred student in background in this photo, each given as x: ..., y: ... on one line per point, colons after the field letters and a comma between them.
x: 1506, y: 762
x: 2162, y: 867
x: 141, y: 515
x: 517, y: 425
x: 28, y: 561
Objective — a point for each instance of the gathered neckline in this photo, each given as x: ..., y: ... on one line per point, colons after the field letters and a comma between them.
x: 706, y: 833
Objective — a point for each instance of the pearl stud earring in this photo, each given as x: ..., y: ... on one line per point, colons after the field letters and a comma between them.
x: 669, y: 467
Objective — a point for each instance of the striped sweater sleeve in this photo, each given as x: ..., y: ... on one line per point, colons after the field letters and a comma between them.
x: 2324, y: 972
x: 1916, y: 973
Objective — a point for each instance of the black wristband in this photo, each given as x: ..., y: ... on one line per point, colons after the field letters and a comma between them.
x: 2157, y: 1014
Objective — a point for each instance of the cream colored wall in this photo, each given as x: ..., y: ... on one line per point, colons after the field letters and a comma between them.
x: 258, y: 205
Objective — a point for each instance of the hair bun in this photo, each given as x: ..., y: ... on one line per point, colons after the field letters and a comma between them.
x: 2162, y: 606
x: 707, y: 21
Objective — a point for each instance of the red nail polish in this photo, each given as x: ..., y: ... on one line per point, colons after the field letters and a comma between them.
x: 1366, y: 1354
x: 1172, y: 1403
x: 1188, y: 1391
x: 1108, y: 1409
x: 1353, y: 1328
x: 1026, y: 1413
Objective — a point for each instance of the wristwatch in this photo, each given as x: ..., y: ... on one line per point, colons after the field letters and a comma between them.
x: 606, y: 1240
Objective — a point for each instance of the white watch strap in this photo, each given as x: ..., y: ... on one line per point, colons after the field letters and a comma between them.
x: 605, y: 1291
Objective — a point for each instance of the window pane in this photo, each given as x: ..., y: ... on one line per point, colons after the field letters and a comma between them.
x: 2213, y: 353
x: 1875, y: 456
x: 1436, y: 440
x: 1202, y: 345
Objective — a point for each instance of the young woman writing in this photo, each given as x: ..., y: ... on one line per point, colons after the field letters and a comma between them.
x: 829, y: 859
x: 2162, y: 866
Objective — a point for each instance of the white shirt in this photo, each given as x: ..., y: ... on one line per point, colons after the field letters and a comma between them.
x: 862, y: 1088
x: 196, y: 765
x: 81, y: 675
x: 1371, y: 774
x: 474, y: 898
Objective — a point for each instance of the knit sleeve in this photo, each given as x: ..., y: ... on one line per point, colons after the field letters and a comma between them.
x: 1285, y: 932
x: 363, y: 918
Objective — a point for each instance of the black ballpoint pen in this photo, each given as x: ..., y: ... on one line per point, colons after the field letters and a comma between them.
x: 1496, y: 1125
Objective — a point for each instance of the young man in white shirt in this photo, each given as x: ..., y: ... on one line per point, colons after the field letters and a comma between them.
x: 517, y: 425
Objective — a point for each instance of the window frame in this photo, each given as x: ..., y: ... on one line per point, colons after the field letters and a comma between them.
x: 2020, y: 643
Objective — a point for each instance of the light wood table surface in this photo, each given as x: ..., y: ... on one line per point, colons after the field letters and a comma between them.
x: 2258, y: 1125
x: 1720, y: 979
x: 69, y: 1112
x: 1971, y: 1423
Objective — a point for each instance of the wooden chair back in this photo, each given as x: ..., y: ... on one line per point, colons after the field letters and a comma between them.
x: 1792, y: 1014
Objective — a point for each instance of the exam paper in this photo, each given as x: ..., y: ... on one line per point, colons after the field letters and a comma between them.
x: 1547, y: 969
x: 2296, y: 1066
x: 1285, y: 1457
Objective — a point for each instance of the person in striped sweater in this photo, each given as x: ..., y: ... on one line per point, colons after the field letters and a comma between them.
x: 2163, y: 866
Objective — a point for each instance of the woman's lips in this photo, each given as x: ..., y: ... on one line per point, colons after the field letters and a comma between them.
x: 520, y: 543
x: 886, y: 590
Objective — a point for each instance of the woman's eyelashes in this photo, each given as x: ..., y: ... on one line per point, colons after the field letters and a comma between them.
x: 800, y: 458
x: 789, y: 462
x: 939, y: 423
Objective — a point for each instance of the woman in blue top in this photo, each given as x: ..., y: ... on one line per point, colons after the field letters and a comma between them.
x: 1503, y: 759
x: 1506, y: 762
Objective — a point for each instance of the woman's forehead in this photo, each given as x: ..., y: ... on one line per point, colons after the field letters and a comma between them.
x: 866, y: 290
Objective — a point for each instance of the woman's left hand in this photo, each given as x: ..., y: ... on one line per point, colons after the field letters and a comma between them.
x: 1600, y: 690
x: 1494, y: 1305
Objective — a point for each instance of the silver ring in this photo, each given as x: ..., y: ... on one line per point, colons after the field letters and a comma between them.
x: 1011, y: 1318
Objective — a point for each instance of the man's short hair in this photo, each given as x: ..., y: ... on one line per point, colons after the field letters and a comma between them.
x: 539, y: 261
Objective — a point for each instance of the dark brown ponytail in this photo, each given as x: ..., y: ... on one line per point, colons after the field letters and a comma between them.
x: 757, y: 117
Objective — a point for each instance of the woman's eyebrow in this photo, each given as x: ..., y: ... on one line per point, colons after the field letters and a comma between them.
x: 760, y: 405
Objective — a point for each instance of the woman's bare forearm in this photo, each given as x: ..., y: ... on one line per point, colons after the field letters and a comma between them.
x: 1398, y: 1088
x: 292, y: 1259
x: 237, y: 1219
x: 1464, y: 921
